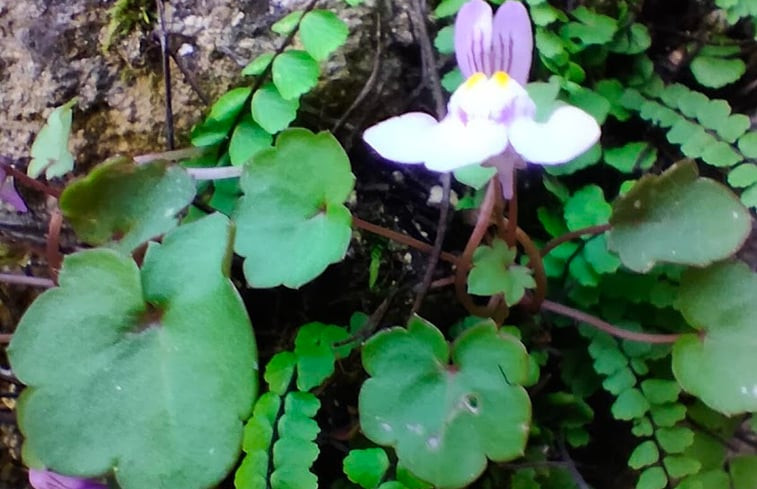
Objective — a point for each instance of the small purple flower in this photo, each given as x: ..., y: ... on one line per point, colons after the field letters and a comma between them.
x: 8, y: 193
x: 45, y: 479
x: 491, y: 113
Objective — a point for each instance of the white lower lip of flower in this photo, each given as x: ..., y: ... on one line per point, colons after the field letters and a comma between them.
x: 485, y: 115
x: 488, y: 98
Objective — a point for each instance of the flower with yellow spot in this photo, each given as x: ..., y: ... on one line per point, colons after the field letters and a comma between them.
x: 491, y: 113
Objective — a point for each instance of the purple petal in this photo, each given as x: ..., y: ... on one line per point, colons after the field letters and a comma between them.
x: 9, y: 195
x: 473, y: 38
x: 45, y: 479
x: 513, y: 41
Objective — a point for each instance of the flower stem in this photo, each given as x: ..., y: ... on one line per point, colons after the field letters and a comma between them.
x: 465, y: 261
x: 12, y: 278
x: 218, y: 173
x: 28, y: 181
x: 173, y: 155
x: 607, y: 327
x: 573, y: 235
x: 52, y: 249
x: 401, y: 238
x: 441, y: 230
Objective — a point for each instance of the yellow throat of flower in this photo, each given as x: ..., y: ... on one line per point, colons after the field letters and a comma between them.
x: 499, y: 78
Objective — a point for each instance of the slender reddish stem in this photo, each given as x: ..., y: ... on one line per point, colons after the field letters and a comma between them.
x: 573, y: 235
x: 512, y: 213
x: 54, y: 257
x: 465, y: 261
x: 401, y: 238
x: 173, y: 155
x: 607, y: 327
x: 28, y: 181
x: 12, y: 278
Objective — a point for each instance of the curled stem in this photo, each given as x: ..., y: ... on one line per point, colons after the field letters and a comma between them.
x: 602, y: 325
x: 465, y: 261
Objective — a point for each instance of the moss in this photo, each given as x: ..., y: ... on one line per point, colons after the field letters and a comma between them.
x: 125, y: 16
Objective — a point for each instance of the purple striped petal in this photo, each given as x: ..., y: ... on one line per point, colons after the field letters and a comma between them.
x: 45, y: 479
x: 8, y: 193
x: 512, y: 41
x: 473, y: 38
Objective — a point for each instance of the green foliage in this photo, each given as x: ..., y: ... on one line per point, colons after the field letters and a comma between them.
x: 50, y: 152
x: 713, y: 68
x: 631, y: 156
x: 717, y: 364
x: 247, y: 140
x: 258, y: 65
x: 443, y: 426
x: 279, y: 437
x: 316, y: 354
x: 294, y: 73
x: 662, y: 216
x: 176, y: 328
x: 322, y: 33
x: 292, y: 210
x: 366, y: 467
x: 271, y: 110
x: 92, y: 348
x: 494, y: 272
x: 288, y: 23
x: 124, y: 16
x: 123, y: 205
x: 738, y: 9
x: 744, y: 471
x: 223, y: 114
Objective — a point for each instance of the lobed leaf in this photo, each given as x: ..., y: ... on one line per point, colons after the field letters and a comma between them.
x: 718, y: 364
x: 122, y: 205
x: 292, y: 210
x: 677, y: 217
x: 366, y: 467
x: 93, y: 347
x: 446, y: 420
x: 494, y: 271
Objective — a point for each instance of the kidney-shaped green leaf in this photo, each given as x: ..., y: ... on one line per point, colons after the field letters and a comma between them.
x: 718, y: 364
x: 147, y: 374
x: 677, y: 217
x: 292, y: 222
x: 124, y: 205
x: 444, y: 420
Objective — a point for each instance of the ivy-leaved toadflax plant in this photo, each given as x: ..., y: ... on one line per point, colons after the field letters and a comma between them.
x: 491, y: 111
